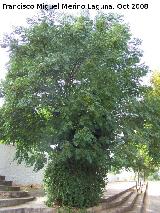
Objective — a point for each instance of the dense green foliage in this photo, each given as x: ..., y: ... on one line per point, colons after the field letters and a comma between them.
x: 73, y: 83
x: 76, y: 185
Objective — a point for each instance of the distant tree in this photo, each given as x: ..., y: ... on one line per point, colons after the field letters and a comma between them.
x: 134, y: 157
x: 141, y: 152
x: 74, y: 83
x: 152, y: 118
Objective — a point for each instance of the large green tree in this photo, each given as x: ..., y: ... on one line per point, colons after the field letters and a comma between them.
x: 73, y: 83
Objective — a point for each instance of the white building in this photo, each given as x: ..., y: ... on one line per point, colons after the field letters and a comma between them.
x: 18, y: 173
x: 22, y: 175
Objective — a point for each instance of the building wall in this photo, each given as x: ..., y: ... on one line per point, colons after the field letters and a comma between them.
x: 23, y: 175
x: 18, y: 173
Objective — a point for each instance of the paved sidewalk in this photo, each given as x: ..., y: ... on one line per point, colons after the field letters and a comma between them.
x: 153, y: 198
x: 113, y: 188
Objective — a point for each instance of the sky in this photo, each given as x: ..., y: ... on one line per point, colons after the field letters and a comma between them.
x: 144, y: 23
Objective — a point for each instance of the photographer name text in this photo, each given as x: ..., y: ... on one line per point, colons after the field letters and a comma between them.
x: 75, y: 6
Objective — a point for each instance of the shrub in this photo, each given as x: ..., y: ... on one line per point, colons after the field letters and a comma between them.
x: 73, y: 183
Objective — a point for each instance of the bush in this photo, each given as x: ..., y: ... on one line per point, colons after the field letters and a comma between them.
x: 73, y: 183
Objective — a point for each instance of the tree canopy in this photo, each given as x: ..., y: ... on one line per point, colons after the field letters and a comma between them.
x: 75, y: 83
